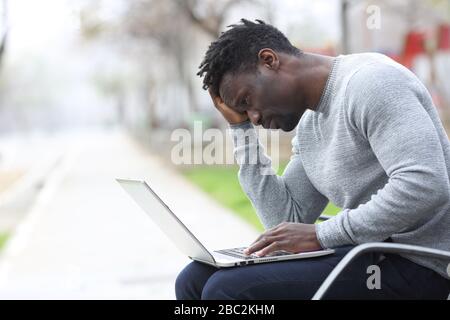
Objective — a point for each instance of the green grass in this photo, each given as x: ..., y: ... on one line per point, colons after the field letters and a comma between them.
x: 3, y: 238
x: 222, y: 184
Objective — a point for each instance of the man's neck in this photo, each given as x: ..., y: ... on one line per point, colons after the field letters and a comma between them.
x: 313, y: 72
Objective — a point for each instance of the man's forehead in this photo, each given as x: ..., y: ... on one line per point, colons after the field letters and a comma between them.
x: 227, y: 84
x: 231, y: 84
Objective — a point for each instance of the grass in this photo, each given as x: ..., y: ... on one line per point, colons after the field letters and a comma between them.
x: 3, y: 239
x: 222, y: 184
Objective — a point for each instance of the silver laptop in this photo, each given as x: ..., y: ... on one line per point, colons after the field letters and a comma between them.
x: 168, y: 222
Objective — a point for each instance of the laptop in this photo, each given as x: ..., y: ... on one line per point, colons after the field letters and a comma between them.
x: 169, y: 223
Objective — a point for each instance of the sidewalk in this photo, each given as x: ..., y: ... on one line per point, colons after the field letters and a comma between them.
x: 85, y: 238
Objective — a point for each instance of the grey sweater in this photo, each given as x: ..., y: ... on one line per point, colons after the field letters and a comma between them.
x: 375, y: 147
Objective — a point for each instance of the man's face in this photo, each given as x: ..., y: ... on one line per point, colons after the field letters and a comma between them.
x: 268, y: 97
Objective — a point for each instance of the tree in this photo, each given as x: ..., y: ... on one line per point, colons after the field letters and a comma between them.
x: 173, y: 26
x: 164, y: 37
x: 208, y: 15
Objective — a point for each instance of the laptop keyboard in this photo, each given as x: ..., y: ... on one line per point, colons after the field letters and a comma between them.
x: 239, y: 253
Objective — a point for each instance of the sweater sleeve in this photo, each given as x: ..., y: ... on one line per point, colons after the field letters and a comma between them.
x: 385, y: 108
x: 276, y: 199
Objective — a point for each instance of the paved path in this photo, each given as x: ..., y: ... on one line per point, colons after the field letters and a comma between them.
x: 85, y: 238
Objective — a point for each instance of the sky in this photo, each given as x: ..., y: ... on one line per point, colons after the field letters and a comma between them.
x: 36, y: 25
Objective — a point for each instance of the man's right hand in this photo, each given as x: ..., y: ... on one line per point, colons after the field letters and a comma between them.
x: 233, y: 117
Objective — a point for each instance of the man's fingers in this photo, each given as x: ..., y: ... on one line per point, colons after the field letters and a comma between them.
x: 262, y: 243
x: 258, y: 245
x: 212, y: 94
x: 274, y: 246
x: 262, y: 235
x: 268, y: 233
x: 232, y: 116
x: 257, y: 239
x: 218, y: 102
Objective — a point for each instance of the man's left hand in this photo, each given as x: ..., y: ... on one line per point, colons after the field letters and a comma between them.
x: 291, y: 237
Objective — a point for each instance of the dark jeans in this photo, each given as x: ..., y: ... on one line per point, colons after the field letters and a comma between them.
x: 300, y: 279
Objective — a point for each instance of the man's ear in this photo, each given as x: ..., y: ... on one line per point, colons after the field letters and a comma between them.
x: 269, y: 59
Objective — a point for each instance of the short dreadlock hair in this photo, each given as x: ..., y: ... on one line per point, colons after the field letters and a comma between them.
x: 237, y: 50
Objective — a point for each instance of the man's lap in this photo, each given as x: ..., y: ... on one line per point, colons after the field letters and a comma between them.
x: 300, y: 279
x: 294, y: 279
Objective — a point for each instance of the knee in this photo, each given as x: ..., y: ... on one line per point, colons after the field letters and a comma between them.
x: 189, y: 282
x: 221, y: 286
x: 183, y: 284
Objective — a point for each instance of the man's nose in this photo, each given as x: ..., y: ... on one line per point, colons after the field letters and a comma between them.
x: 255, y: 117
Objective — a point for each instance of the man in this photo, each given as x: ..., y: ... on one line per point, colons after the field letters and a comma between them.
x: 368, y: 139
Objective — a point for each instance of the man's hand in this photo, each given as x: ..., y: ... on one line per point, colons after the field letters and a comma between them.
x: 233, y: 117
x: 291, y: 237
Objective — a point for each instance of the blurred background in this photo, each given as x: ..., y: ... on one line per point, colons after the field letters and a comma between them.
x: 91, y: 90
